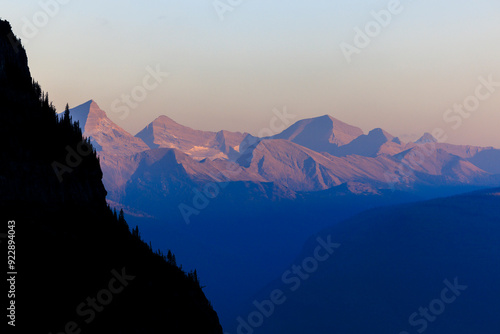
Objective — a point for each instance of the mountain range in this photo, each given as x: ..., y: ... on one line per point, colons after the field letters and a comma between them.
x: 318, y: 229
x: 237, y: 207
x: 311, y: 155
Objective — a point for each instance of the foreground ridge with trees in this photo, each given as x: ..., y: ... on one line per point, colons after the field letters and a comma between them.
x: 70, y: 244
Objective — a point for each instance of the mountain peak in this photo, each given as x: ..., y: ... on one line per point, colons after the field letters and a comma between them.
x: 334, y: 121
x: 321, y: 134
x: 81, y: 113
x: 88, y: 104
x: 378, y: 132
x: 326, y: 117
x: 426, y: 138
x: 377, y: 141
x: 164, y: 120
x: 103, y: 132
x: 93, y: 103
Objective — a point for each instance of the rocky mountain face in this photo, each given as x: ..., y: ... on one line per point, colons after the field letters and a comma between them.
x: 487, y: 160
x: 321, y: 134
x: 71, y: 249
x: 115, y: 146
x: 107, y: 137
x: 376, y: 142
x: 164, y: 132
x: 311, y: 155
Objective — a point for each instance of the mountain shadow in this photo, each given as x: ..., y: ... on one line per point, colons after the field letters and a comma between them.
x: 430, y: 267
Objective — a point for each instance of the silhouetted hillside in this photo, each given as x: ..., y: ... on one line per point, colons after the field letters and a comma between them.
x: 78, y: 264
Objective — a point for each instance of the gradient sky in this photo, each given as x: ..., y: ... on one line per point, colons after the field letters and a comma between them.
x: 230, y: 74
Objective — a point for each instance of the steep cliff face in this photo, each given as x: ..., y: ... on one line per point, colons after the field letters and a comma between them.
x: 79, y: 266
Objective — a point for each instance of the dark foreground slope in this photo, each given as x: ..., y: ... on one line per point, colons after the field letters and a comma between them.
x: 78, y: 266
x: 430, y: 267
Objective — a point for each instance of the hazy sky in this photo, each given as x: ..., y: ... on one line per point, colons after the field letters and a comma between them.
x: 231, y: 73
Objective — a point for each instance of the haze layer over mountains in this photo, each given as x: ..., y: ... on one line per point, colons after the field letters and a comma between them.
x: 239, y: 208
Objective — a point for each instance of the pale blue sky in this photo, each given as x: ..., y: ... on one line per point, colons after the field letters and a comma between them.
x: 231, y: 74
